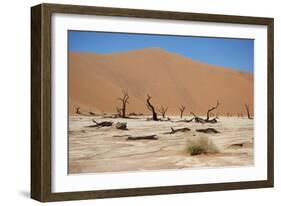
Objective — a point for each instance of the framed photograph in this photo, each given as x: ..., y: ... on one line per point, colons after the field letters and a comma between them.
x: 132, y: 102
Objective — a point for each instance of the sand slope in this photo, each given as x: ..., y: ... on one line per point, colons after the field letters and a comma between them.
x: 97, y: 80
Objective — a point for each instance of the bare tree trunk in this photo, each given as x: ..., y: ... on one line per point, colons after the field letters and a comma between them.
x: 78, y: 110
x: 211, y: 109
x: 163, y: 111
x: 151, y: 108
x: 124, y: 110
x: 248, y: 111
x: 207, y: 120
x: 182, y: 108
x: 124, y: 101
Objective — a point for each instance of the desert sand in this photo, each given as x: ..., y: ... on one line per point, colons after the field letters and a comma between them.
x: 107, y: 149
x: 97, y: 80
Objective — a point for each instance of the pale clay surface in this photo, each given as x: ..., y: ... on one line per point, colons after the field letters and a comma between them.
x: 96, y: 150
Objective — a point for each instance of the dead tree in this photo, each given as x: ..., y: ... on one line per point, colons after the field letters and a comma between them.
x: 237, y: 145
x: 198, y: 119
x: 121, y: 125
x: 182, y: 108
x: 211, y: 109
x: 147, y: 137
x: 248, y: 111
x: 208, y: 130
x: 151, y: 108
x: 173, y: 131
x: 207, y: 120
x: 92, y: 113
x: 214, y: 120
x: 124, y: 101
x: 78, y: 110
x: 101, y: 124
x: 163, y: 111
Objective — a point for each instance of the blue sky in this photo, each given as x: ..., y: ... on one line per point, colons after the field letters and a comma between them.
x: 233, y: 53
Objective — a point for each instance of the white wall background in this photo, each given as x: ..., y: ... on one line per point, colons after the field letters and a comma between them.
x: 15, y: 102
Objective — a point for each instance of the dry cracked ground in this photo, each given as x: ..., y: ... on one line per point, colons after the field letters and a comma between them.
x: 107, y: 149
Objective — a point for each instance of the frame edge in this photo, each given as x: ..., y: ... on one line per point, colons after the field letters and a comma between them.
x: 158, y: 14
x: 270, y: 100
x: 41, y: 98
x: 36, y: 138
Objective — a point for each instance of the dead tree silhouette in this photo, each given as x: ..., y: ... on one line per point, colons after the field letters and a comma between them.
x: 124, y: 101
x: 151, y: 108
x: 211, y: 109
x: 207, y: 120
x: 248, y: 111
x: 78, y: 110
x: 182, y: 108
x: 163, y: 111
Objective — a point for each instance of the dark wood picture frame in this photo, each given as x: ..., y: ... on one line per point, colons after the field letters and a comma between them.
x: 41, y: 102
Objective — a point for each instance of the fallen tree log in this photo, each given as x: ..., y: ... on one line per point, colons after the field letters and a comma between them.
x: 124, y: 135
x: 92, y: 113
x: 173, y: 131
x: 236, y: 145
x: 101, y: 124
x: 147, y: 137
x: 121, y: 125
x: 214, y: 120
x: 203, y: 121
x: 198, y: 119
x: 207, y: 120
x: 208, y: 131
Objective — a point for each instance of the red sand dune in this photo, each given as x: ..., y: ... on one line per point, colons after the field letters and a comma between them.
x: 97, y: 80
